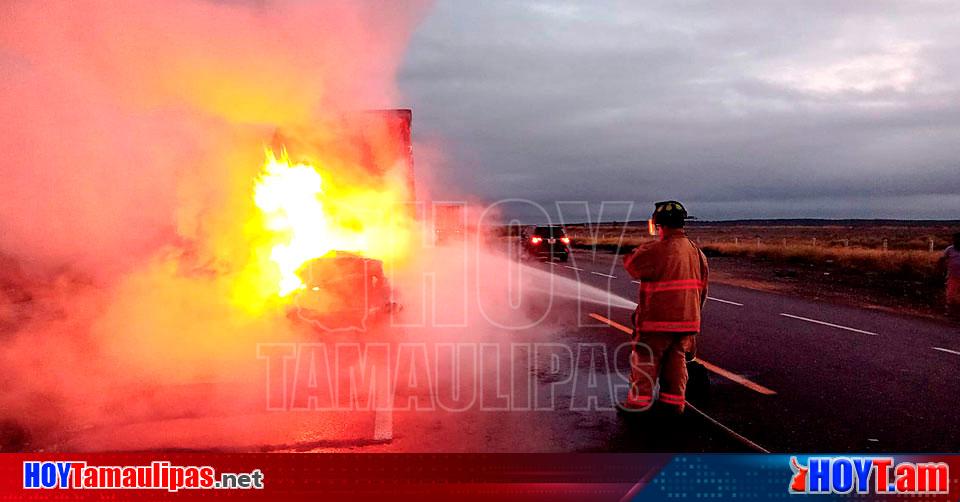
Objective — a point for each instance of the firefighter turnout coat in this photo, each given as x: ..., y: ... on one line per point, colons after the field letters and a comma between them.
x: 673, y: 284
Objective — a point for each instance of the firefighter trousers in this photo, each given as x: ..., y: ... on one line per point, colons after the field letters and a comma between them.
x: 660, y: 356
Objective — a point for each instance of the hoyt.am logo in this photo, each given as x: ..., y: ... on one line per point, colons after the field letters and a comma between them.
x: 880, y: 475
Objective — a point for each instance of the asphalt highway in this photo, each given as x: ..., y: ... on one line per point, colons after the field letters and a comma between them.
x: 787, y: 375
x: 799, y: 375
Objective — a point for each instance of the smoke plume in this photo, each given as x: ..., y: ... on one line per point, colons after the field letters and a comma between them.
x: 131, y: 132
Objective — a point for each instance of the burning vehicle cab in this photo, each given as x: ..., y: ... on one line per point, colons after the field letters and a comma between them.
x: 343, y: 291
x: 546, y: 242
x: 337, y: 186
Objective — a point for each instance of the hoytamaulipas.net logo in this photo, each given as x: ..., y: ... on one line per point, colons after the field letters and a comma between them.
x: 159, y: 475
x: 877, y: 475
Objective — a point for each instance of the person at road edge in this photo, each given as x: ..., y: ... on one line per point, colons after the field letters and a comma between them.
x: 951, y: 261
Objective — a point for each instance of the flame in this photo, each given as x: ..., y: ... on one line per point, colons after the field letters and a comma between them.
x: 303, y: 213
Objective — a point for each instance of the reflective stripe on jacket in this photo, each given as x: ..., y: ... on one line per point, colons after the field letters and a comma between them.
x: 673, y: 284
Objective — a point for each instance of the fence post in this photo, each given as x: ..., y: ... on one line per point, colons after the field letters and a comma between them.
x: 814, y: 242
x: 758, y: 243
x: 736, y: 240
x: 846, y: 243
x: 884, y: 244
x: 931, y: 244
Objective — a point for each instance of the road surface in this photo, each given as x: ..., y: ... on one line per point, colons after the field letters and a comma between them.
x: 788, y: 374
x: 842, y: 378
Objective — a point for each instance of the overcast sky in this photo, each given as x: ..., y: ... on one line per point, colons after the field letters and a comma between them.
x: 740, y: 109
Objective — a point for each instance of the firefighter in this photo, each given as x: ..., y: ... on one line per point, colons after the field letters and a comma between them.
x: 673, y: 288
x: 951, y: 262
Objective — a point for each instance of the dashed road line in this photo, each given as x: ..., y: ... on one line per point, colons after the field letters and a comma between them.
x: 612, y: 323
x: 948, y: 351
x: 737, y: 378
x: 635, y: 282
x: 724, y: 301
x: 855, y: 330
x: 574, y: 268
x: 729, y: 375
x: 604, y: 275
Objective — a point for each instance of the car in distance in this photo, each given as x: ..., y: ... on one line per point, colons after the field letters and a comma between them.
x: 546, y: 242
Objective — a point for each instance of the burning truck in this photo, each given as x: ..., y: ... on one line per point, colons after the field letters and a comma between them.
x: 335, y: 204
x: 322, y: 220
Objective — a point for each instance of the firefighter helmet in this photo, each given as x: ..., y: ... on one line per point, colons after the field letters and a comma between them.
x: 669, y: 214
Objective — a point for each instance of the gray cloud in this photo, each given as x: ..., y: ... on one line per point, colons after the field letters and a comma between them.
x: 752, y: 108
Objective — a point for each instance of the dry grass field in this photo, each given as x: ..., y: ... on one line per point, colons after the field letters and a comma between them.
x: 892, y: 264
x: 904, y: 250
x: 905, y: 263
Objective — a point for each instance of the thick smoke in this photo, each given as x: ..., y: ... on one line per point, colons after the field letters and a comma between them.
x: 131, y: 131
x: 108, y: 108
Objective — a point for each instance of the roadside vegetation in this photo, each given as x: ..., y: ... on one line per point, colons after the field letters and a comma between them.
x: 913, y: 265
x: 897, y: 252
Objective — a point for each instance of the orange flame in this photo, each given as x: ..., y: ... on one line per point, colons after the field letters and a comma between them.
x: 303, y: 214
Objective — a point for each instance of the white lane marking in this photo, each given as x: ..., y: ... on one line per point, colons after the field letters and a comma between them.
x: 552, y: 264
x: 604, y: 275
x: 383, y: 425
x: 635, y: 282
x: 383, y: 416
x: 948, y: 351
x: 724, y: 301
x: 573, y: 268
x: 855, y: 330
